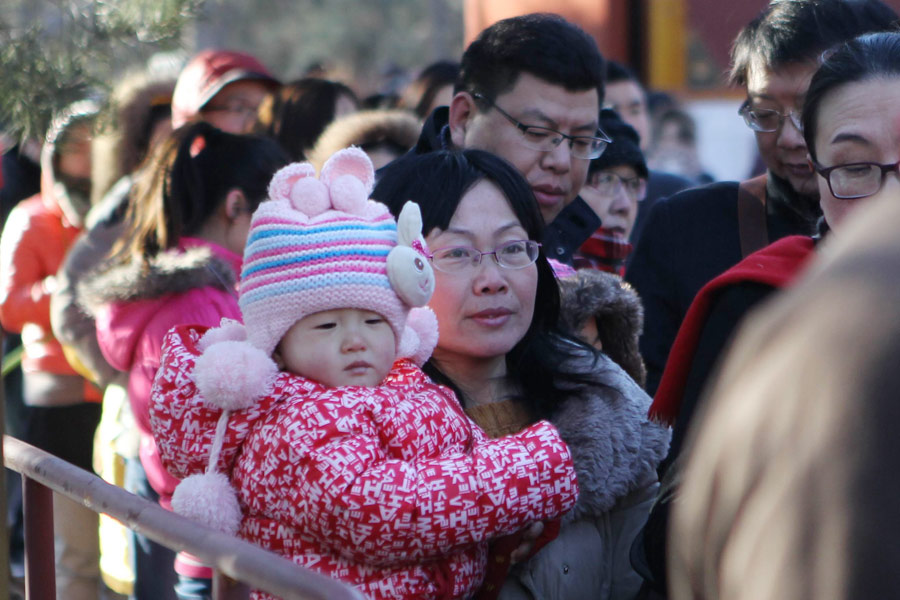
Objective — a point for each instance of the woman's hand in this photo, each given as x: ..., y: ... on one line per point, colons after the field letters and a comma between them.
x: 529, y: 536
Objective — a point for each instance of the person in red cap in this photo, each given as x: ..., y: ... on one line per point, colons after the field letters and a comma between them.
x: 221, y: 87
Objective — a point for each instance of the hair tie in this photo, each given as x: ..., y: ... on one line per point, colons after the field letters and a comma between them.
x: 197, y: 146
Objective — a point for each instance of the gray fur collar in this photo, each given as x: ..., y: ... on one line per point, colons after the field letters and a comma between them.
x: 170, y: 272
x: 616, y: 449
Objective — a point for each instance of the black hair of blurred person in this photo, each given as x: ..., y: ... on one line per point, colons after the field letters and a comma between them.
x: 420, y: 94
x: 616, y: 71
x: 297, y: 114
x: 379, y: 101
x: 187, y: 176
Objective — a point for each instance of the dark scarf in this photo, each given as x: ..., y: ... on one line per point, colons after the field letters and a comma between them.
x: 604, y: 251
x: 801, y: 211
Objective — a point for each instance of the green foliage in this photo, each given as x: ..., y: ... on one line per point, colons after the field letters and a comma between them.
x: 53, y: 52
x: 358, y: 40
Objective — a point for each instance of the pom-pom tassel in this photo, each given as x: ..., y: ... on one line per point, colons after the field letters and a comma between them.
x: 233, y: 375
x: 209, y: 498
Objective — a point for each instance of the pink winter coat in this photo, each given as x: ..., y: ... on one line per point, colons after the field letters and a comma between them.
x: 134, y: 308
x: 391, y: 489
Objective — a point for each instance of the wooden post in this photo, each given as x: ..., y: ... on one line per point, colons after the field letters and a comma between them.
x: 667, y: 40
x: 40, y: 559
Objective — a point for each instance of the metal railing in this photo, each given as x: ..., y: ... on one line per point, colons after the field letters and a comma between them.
x: 236, y: 563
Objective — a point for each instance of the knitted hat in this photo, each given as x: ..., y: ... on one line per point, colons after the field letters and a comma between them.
x: 625, y: 148
x: 205, y: 76
x: 320, y: 244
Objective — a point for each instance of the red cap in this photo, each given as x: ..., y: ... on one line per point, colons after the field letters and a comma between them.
x: 206, y: 74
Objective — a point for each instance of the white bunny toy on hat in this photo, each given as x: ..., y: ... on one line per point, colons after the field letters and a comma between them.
x: 315, y: 245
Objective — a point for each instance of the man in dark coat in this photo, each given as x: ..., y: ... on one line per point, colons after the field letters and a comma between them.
x: 694, y: 236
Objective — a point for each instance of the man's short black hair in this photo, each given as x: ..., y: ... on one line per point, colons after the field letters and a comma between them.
x: 616, y: 72
x: 799, y: 30
x: 544, y: 45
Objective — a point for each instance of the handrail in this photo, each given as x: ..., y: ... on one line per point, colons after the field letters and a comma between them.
x: 233, y: 557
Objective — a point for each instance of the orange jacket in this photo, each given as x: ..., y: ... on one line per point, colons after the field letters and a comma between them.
x: 34, y: 242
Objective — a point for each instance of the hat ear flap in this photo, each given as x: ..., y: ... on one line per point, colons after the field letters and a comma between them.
x: 349, y: 161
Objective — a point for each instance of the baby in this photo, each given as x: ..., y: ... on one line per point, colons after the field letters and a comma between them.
x: 311, y: 430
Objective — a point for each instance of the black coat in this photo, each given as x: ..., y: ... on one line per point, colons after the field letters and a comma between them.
x: 659, y: 185
x: 688, y: 240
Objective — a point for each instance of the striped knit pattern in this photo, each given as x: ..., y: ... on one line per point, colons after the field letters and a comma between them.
x: 295, y: 266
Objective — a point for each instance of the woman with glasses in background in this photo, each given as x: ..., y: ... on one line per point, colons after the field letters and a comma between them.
x: 616, y: 182
x: 501, y: 350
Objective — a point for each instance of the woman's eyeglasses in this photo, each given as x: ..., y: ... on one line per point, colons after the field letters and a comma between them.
x: 516, y: 254
x: 855, y: 180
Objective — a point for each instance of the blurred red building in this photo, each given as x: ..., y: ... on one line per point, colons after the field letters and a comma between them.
x: 674, y: 45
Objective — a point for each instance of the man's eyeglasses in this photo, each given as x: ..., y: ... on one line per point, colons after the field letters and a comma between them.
x: 768, y: 120
x: 545, y: 139
x: 855, y: 180
x: 516, y: 254
x: 608, y: 184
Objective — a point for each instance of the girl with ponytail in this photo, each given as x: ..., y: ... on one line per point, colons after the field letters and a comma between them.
x: 177, y: 263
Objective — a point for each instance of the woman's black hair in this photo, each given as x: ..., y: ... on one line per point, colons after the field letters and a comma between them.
x: 186, y: 178
x: 437, y: 181
x: 297, y: 113
x: 870, y: 56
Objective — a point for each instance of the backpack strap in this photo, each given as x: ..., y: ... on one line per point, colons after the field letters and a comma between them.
x: 752, y: 228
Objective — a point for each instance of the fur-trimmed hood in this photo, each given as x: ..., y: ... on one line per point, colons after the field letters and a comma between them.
x: 397, y: 129
x: 135, y: 305
x: 616, y: 449
x: 616, y: 309
x: 71, y: 206
x: 171, y: 272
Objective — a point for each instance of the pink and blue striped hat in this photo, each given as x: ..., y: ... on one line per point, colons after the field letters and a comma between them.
x: 318, y: 244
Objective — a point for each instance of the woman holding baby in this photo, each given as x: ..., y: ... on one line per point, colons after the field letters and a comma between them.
x: 501, y: 350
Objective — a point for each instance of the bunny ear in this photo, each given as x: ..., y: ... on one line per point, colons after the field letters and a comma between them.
x: 283, y: 181
x: 349, y: 161
x: 409, y: 224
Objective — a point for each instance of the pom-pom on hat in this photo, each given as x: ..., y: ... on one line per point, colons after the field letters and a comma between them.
x: 321, y: 244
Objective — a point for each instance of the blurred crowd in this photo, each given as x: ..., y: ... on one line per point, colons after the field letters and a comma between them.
x: 728, y: 412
